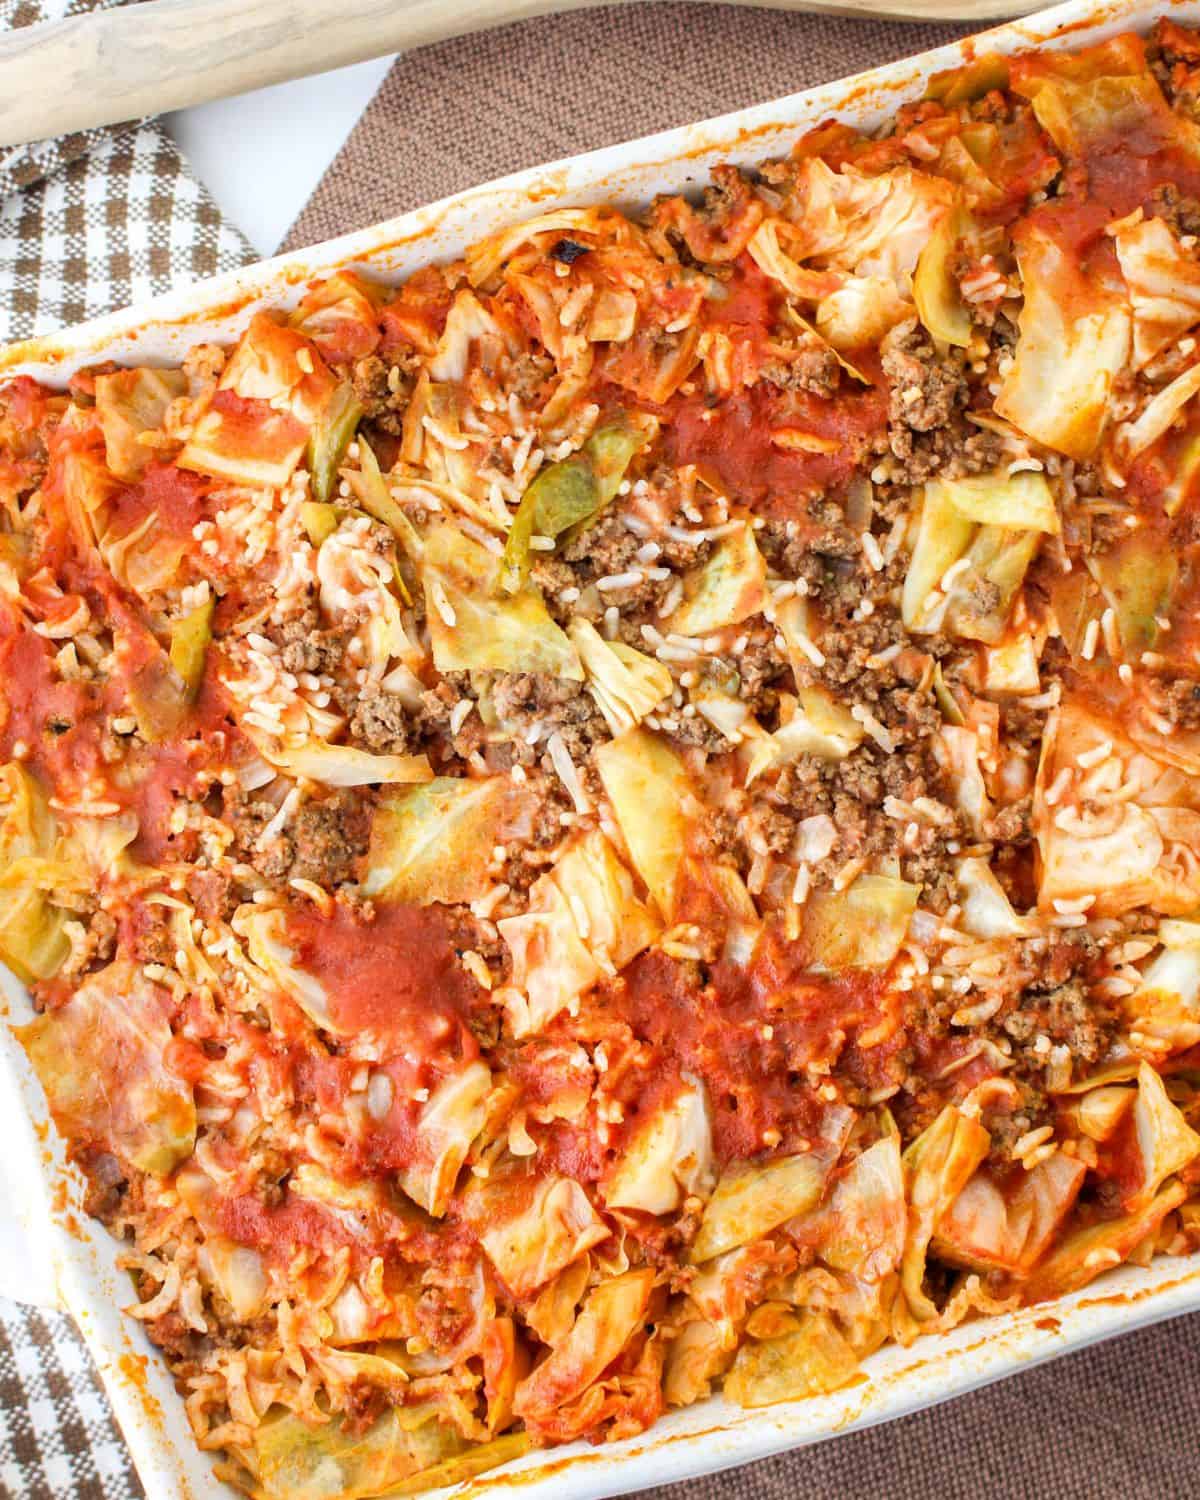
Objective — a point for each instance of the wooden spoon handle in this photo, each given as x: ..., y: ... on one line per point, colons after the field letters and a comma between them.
x: 113, y: 65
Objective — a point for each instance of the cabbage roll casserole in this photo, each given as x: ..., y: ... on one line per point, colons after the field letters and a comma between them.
x: 620, y: 820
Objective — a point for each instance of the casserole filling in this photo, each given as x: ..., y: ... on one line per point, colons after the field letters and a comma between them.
x: 617, y: 821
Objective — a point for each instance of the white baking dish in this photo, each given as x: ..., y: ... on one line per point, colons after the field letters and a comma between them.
x: 713, y: 1434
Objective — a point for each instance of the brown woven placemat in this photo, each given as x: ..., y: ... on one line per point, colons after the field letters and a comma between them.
x: 1117, y: 1420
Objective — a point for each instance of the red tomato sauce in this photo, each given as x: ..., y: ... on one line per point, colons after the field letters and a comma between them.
x: 749, y: 1034
x: 174, y: 496
x: 732, y: 441
x: 58, y: 723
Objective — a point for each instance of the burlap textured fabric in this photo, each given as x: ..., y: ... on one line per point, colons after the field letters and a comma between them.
x: 1118, y: 1420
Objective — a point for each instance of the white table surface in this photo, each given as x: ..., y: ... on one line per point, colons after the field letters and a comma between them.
x: 260, y: 155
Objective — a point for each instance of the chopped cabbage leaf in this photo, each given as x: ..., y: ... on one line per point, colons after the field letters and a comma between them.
x: 866, y: 224
x: 727, y: 589
x: 569, y: 494
x: 276, y: 364
x: 943, y: 536
x: 258, y: 448
x: 33, y: 941
x: 477, y: 1459
x: 532, y: 1226
x: 467, y: 322
x: 295, y: 1461
x: 128, y: 404
x: 1164, y: 286
x: 626, y: 683
x: 1166, y: 1006
x: 551, y: 963
x: 449, y: 1123
x: 1138, y: 576
x: 474, y: 626
x: 669, y: 1158
x: 861, y: 927
x: 434, y: 842
x: 190, y: 637
x: 1074, y: 340
x: 937, y: 1166
x: 935, y: 289
x: 1083, y: 1253
x: 1157, y: 415
x: 860, y: 312
x: 750, y: 1200
x: 978, y: 606
x: 647, y: 785
x: 860, y: 1228
x: 811, y: 1359
x: 1008, y: 1225
x: 1166, y: 1142
x: 986, y: 910
x: 114, y: 1026
x: 329, y: 439
x: 584, y: 919
x: 339, y: 315
x: 600, y: 892
x: 610, y: 1317
x: 1017, y: 502
x: 343, y: 765
x: 818, y: 725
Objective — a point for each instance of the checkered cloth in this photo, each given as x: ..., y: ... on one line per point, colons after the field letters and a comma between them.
x: 101, y: 218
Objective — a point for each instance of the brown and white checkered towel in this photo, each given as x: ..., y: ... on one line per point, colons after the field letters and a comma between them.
x: 99, y: 219
x: 1118, y: 1420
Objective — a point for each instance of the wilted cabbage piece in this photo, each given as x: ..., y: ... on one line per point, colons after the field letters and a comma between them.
x: 626, y: 683
x: 33, y: 942
x: 114, y: 1030
x: 346, y: 765
x: 1114, y: 852
x: 434, y: 842
x: 810, y: 1359
x: 860, y: 1227
x: 669, y: 1157
x: 128, y: 404
x: 610, y: 1317
x: 937, y: 1166
x: 860, y: 927
x: 752, y: 1199
x: 935, y: 287
x: 986, y: 909
x: 295, y: 1461
x: 987, y: 525
x: 1166, y: 1143
x: 551, y: 963
x: 1160, y: 413
x: 475, y: 626
x: 996, y: 1225
x: 569, y: 494
x: 1166, y: 1006
x: 816, y: 725
x: 726, y: 589
x: 532, y: 1226
x: 190, y: 637
x: 647, y: 785
x: 1164, y: 286
x: 1074, y: 341
x: 329, y: 439
x: 1085, y: 1253
x: 446, y: 1131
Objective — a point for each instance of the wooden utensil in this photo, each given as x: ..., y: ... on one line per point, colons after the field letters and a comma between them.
x: 98, y: 68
